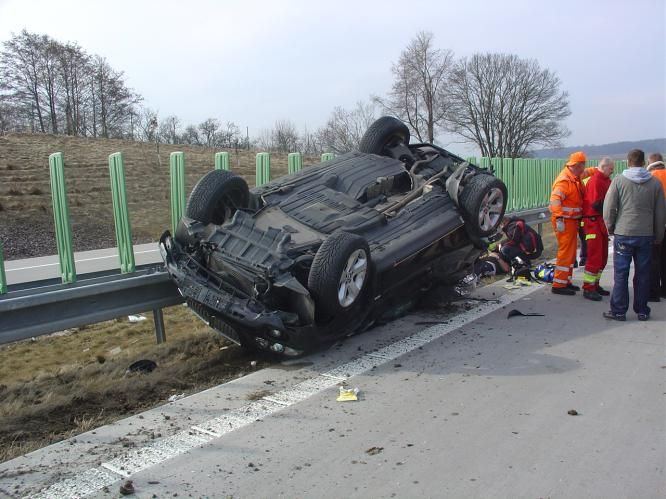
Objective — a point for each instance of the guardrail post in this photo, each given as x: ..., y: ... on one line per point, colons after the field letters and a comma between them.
x: 63, y: 228
x: 294, y: 162
x: 158, y: 318
x: 120, y: 213
x: 263, y: 171
x: 222, y: 161
x: 177, y: 170
x: 3, y: 278
x: 327, y: 156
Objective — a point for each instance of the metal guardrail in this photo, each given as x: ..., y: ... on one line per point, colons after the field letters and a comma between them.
x: 34, y: 309
x: 38, y: 308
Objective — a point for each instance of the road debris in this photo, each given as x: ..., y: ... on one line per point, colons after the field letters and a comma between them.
x: 373, y: 451
x: 142, y: 366
x: 127, y: 488
x: 175, y: 397
x: 347, y: 394
x: 515, y: 312
x: 572, y: 412
x: 136, y: 318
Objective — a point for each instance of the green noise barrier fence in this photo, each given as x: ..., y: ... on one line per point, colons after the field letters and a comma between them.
x: 3, y: 277
x: 63, y: 229
x: 177, y: 176
x: 263, y: 171
x: 120, y: 213
x: 222, y: 161
x: 294, y: 162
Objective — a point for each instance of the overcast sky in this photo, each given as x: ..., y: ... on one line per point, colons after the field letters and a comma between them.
x: 255, y: 62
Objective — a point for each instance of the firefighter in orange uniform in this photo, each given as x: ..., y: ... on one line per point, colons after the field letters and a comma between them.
x: 566, y: 208
x: 596, y: 234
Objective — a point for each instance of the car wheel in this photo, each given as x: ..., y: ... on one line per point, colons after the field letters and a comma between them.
x: 340, y: 273
x: 483, y: 202
x: 217, y: 196
x: 384, y: 133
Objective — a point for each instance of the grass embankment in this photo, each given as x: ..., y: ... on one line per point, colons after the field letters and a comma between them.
x: 61, y: 385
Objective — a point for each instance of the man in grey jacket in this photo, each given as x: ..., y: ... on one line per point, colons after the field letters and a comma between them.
x: 635, y: 213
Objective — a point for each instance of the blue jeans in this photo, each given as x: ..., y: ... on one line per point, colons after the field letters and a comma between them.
x: 626, y: 249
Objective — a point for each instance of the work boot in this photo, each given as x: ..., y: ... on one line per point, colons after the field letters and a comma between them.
x: 563, y: 291
x: 602, y: 291
x: 573, y: 287
x: 591, y: 295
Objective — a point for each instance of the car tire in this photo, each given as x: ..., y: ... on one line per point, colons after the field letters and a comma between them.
x: 384, y: 133
x: 217, y: 196
x: 483, y: 203
x: 340, y: 273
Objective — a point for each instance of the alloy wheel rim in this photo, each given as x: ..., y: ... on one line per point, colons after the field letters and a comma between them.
x: 352, y: 278
x: 490, y: 211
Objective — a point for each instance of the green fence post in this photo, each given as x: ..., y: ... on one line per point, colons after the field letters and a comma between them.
x: 3, y: 277
x: 63, y: 228
x: 294, y: 162
x: 484, y: 162
x: 471, y: 160
x: 177, y: 171
x: 222, y: 161
x: 263, y: 168
x: 120, y: 213
x: 327, y: 156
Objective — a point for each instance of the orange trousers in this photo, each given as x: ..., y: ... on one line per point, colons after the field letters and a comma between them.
x: 566, y: 251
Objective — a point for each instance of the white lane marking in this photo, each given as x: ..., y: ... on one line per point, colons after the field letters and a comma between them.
x: 53, y: 264
x: 81, y: 485
x: 157, y: 452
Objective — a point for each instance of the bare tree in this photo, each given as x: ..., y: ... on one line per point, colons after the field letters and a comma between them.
x: 505, y: 104
x: 284, y: 136
x: 191, y: 135
x: 54, y: 87
x: 310, y: 142
x: 344, y: 129
x: 418, y: 95
x: 208, y: 131
x: 169, y: 130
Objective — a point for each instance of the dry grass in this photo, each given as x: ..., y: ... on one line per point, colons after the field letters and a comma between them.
x: 62, y: 385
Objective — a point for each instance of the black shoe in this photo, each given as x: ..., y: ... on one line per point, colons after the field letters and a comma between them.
x: 563, y: 291
x: 643, y: 317
x: 615, y: 317
x: 573, y: 287
x: 602, y: 291
x: 591, y: 295
x: 581, y: 262
x: 575, y: 264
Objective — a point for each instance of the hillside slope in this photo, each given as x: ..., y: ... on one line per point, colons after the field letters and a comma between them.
x: 26, y: 216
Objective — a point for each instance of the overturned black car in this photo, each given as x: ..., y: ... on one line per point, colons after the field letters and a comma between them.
x: 323, y: 253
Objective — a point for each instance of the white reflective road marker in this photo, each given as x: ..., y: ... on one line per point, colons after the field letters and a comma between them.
x: 159, y: 451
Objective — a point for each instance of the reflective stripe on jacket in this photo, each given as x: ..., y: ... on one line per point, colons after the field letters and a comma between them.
x: 566, y: 197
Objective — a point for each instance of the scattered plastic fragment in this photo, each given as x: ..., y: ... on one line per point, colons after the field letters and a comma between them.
x: 347, y: 394
x: 175, y: 397
x: 372, y: 451
x: 572, y: 412
x: 136, y: 318
x: 514, y: 313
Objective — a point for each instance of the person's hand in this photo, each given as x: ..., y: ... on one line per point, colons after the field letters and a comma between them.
x: 559, y: 224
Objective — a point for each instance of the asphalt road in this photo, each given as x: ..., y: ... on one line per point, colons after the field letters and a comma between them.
x: 48, y: 267
x: 476, y: 405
